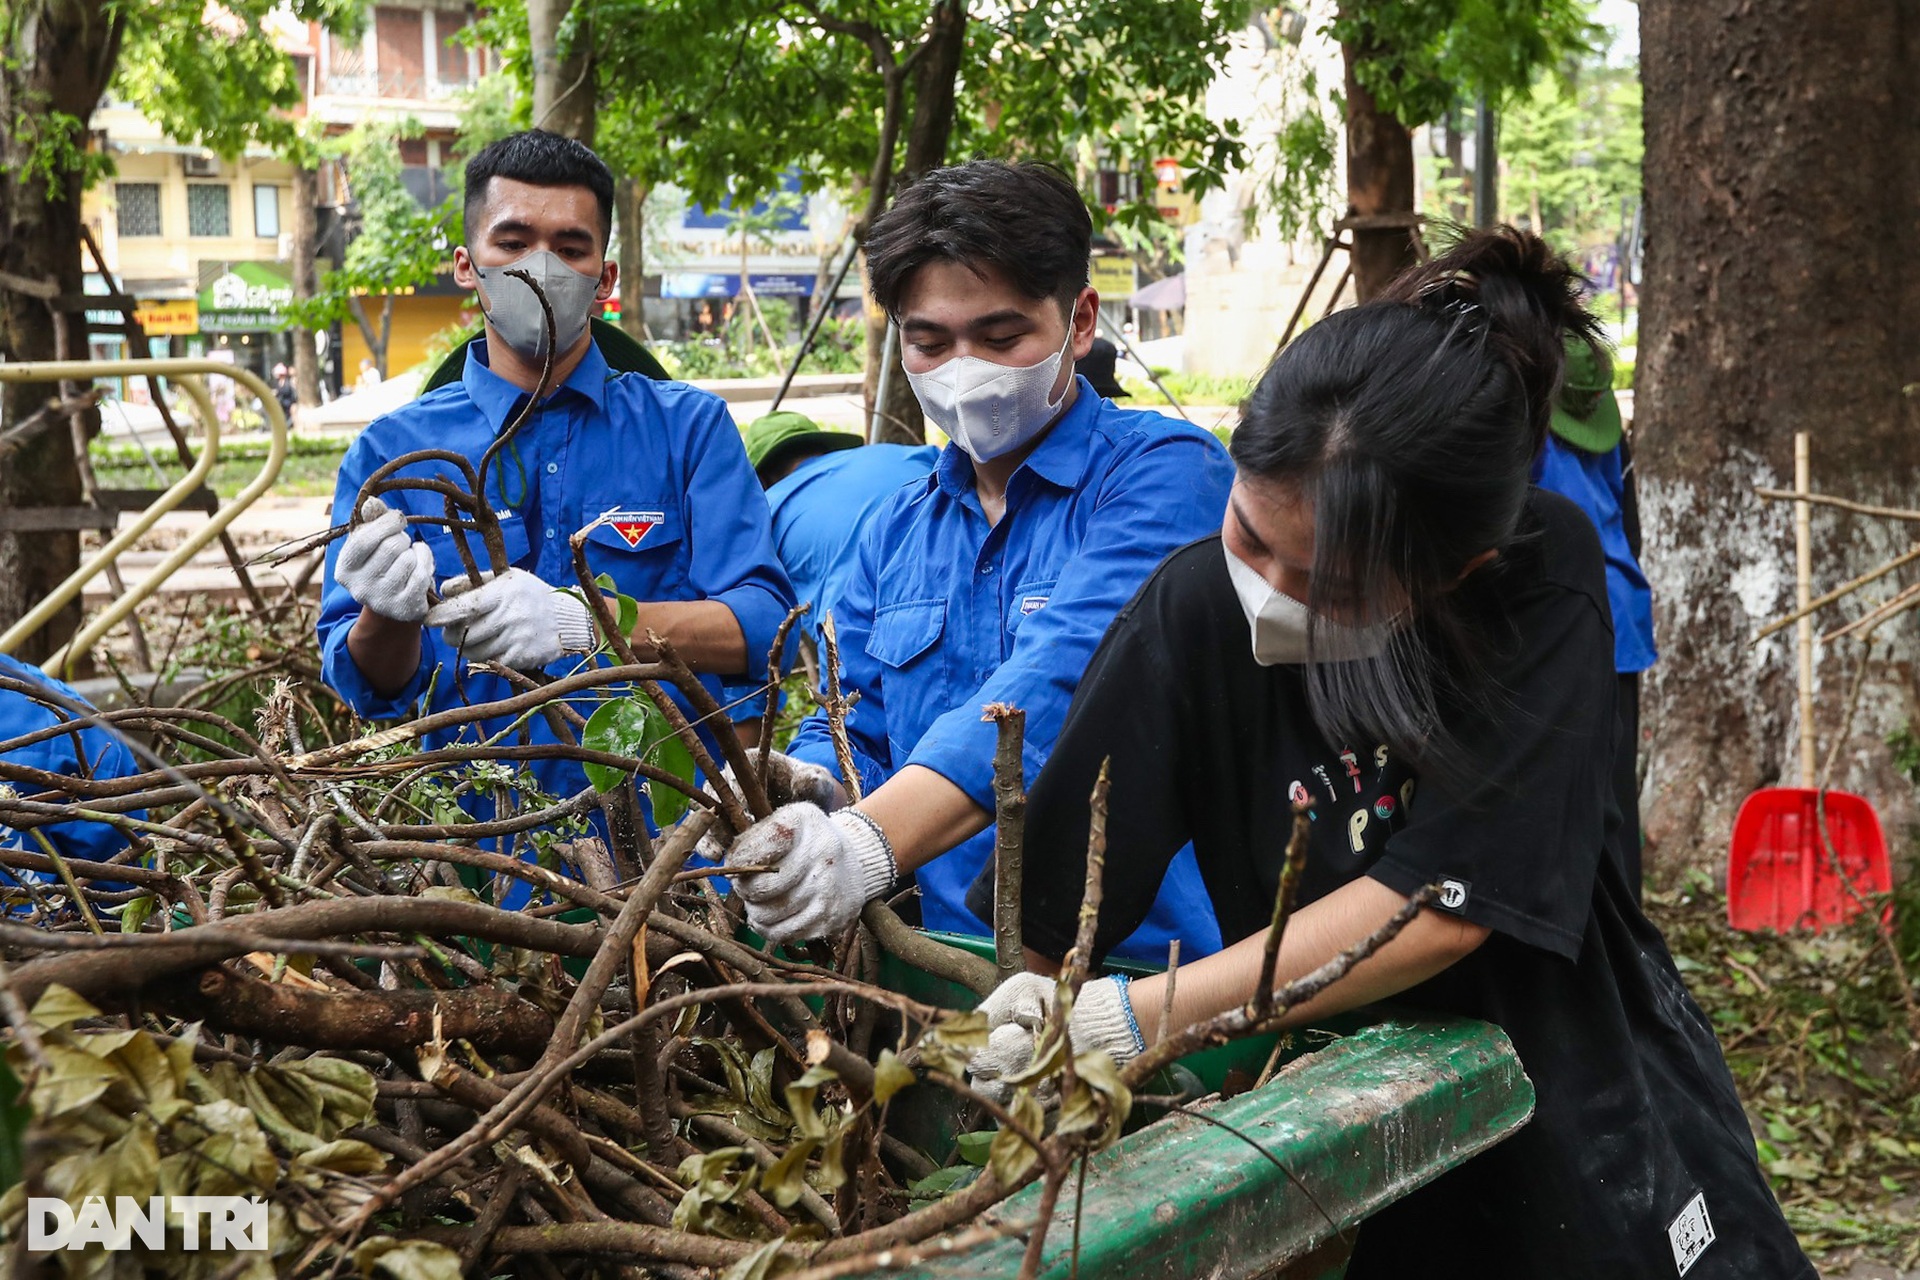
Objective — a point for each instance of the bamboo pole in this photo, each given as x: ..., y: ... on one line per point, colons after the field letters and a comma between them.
x: 1803, y: 596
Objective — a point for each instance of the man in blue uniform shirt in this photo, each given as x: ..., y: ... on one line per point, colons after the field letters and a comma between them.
x: 38, y: 701
x: 993, y: 579
x: 1585, y: 460
x: 821, y: 488
x: 659, y: 464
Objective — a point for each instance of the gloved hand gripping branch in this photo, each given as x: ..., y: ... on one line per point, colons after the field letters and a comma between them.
x: 1019, y: 1010
x: 497, y: 614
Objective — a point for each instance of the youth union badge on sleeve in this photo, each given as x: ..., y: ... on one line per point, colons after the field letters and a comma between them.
x: 1690, y: 1233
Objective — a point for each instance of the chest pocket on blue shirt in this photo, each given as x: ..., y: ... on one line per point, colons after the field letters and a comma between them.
x: 1028, y: 599
x: 642, y: 548
x: 446, y: 555
x: 902, y: 642
x: 902, y: 633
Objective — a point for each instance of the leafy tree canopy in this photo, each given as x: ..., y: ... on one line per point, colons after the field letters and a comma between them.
x: 214, y: 75
x: 723, y: 97
x: 1572, y: 149
x: 1420, y: 57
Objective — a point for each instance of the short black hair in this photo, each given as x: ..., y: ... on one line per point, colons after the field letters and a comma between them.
x: 545, y: 160
x: 1026, y: 221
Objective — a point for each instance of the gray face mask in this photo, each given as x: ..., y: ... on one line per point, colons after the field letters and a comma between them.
x: 514, y: 311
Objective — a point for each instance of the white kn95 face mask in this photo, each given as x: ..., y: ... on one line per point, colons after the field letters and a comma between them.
x: 990, y: 409
x: 1279, y: 624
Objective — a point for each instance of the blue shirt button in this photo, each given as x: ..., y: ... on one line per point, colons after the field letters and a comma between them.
x: 552, y: 467
x: 549, y: 533
x: 987, y: 567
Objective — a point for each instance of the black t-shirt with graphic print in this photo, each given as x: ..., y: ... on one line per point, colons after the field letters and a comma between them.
x: 1638, y: 1161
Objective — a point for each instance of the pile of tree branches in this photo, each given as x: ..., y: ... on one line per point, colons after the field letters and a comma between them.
x: 294, y: 983
x: 297, y: 982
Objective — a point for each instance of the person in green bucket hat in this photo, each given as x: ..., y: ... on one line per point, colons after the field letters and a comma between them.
x: 1588, y: 458
x: 821, y: 488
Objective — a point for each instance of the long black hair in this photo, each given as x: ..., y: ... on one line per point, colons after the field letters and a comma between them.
x: 1411, y: 424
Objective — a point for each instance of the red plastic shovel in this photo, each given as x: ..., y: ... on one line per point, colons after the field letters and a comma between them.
x: 1779, y: 874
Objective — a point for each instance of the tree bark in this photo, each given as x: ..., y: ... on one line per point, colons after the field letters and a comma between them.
x: 1379, y: 183
x: 928, y: 133
x: 306, y: 282
x: 60, y: 60
x: 1454, y: 166
x: 1781, y: 295
x: 630, y: 205
x: 563, y: 81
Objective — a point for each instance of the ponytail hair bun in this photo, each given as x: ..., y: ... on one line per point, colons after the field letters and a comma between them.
x: 1525, y: 295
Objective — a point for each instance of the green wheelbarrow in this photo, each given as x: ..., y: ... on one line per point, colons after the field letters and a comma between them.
x: 1274, y: 1182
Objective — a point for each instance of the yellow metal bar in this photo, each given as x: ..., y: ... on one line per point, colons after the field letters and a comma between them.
x: 179, y: 371
x: 182, y: 489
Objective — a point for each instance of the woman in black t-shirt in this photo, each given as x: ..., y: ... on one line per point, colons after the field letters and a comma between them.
x: 1395, y: 629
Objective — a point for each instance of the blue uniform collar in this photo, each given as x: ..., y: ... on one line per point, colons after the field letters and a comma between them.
x: 496, y: 398
x: 1060, y: 458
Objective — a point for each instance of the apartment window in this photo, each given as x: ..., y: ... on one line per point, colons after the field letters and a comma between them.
x: 138, y: 206
x: 452, y: 54
x: 266, y: 211
x: 207, y: 209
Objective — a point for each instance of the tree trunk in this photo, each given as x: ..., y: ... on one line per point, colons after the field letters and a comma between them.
x: 630, y: 205
x: 1454, y: 166
x: 934, y: 79
x: 306, y: 361
x: 1379, y: 185
x: 374, y: 336
x: 60, y: 60
x: 1781, y: 295
x: 563, y: 80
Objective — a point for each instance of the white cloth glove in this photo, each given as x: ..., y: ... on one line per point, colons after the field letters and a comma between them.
x: 515, y: 619
x: 383, y: 567
x: 825, y: 867
x: 1018, y: 1010
x: 788, y: 780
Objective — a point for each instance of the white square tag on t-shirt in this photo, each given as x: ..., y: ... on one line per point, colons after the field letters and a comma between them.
x: 1690, y: 1233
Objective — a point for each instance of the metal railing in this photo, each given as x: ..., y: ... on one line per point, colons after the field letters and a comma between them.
x: 182, y: 372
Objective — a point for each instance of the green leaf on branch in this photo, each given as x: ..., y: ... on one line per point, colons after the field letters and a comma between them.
x: 1011, y: 1156
x: 973, y: 1147
x: 407, y: 1259
x: 763, y: 1263
x: 942, y: 1182
x: 890, y: 1076
x: 634, y: 727
x: 787, y: 1177
x: 59, y: 1007
x: 801, y: 1095
x: 948, y: 1045
x: 626, y: 610
x: 13, y: 1126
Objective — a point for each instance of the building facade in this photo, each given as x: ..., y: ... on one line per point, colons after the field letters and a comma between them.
x: 206, y: 242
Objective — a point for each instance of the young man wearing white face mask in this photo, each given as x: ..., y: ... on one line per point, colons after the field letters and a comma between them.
x: 685, y: 533
x: 991, y: 580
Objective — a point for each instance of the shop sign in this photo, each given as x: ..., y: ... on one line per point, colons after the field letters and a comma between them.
x: 244, y: 297
x: 1112, y: 278
x: 168, y: 317
x: 772, y: 284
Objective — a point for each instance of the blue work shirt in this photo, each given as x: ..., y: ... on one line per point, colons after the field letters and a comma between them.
x: 1595, y: 484
x: 821, y: 506
x: 105, y: 756
x: 690, y: 523
x: 944, y: 614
